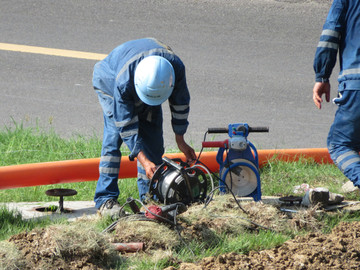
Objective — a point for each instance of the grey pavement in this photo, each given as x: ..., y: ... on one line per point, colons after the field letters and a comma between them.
x: 74, y: 210
x: 246, y: 61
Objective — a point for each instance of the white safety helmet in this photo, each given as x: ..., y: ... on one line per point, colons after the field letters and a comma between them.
x: 154, y: 80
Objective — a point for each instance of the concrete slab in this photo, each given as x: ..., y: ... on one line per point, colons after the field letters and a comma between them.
x: 73, y: 210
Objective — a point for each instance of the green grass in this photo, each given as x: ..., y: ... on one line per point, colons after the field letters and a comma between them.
x: 11, y: 223
x: 280, y: 178
x: 19, y: 145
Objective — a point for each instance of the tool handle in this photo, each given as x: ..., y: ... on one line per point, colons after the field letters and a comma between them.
x: 215, y: 144
x: 218, y: 130
x: 173, y: 163
x: 134, y: 207
x: 226, y: 130
x: 258, y: 129
x: 167, y: 208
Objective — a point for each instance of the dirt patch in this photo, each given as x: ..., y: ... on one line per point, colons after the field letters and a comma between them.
x: 338, y: 250
x: 63, y: 247
x: 81, y: 246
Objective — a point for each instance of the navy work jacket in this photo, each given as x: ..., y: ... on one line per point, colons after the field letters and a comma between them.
x: 341, y: 33
x: 114, y: 77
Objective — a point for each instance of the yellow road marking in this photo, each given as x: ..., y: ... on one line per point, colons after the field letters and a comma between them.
x: 50, y: 51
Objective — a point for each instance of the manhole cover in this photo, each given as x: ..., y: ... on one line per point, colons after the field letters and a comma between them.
x: 60, y: 192
x: 57, y: 192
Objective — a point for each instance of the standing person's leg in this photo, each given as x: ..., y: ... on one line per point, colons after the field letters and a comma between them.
x: 344, y: 135
x: 107, y: 189
x: 107, y: 185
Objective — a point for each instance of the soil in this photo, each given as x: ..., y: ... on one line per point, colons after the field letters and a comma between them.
x: 59, y: 247
x: 338, y: 250
x: 78, y: 246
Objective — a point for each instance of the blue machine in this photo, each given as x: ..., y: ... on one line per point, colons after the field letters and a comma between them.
x: 238, y: 160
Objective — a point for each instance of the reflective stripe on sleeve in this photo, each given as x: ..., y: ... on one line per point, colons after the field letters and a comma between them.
x: 328, y: 44
x: 180, y: 116
x: 179, y: 107
x: 331, y: 33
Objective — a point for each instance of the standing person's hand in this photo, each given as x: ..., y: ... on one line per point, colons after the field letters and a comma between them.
x: 149, y: 166
x: 319, y: 89
x: 185, y: 148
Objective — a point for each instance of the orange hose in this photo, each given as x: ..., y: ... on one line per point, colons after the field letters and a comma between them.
x: 319, y: 155
x: 69, y: 171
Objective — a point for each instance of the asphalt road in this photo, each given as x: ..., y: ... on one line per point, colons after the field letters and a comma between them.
x: 246, y: 61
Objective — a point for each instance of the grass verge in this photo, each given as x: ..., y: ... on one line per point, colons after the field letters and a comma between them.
x: 19, y: 145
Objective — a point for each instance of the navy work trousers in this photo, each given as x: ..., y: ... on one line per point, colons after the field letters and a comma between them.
x: 153, y: 147
x: 344, y: 136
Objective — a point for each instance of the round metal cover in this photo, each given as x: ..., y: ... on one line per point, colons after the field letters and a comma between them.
x: 61, y: 192
x: 242, y: 180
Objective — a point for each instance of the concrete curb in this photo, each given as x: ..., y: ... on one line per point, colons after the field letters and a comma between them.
x: 74, y: 210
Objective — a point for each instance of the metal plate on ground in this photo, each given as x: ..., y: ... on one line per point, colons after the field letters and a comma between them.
x: 60, y: 192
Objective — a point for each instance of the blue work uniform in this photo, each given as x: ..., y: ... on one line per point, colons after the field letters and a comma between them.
x: 341, y: 34
x: 128, y: 119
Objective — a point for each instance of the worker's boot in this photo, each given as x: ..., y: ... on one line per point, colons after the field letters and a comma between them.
x: 349, y: 187
x: 111, y: 208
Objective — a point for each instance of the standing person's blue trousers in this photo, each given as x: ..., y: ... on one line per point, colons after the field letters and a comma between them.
x: 344, y: 135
